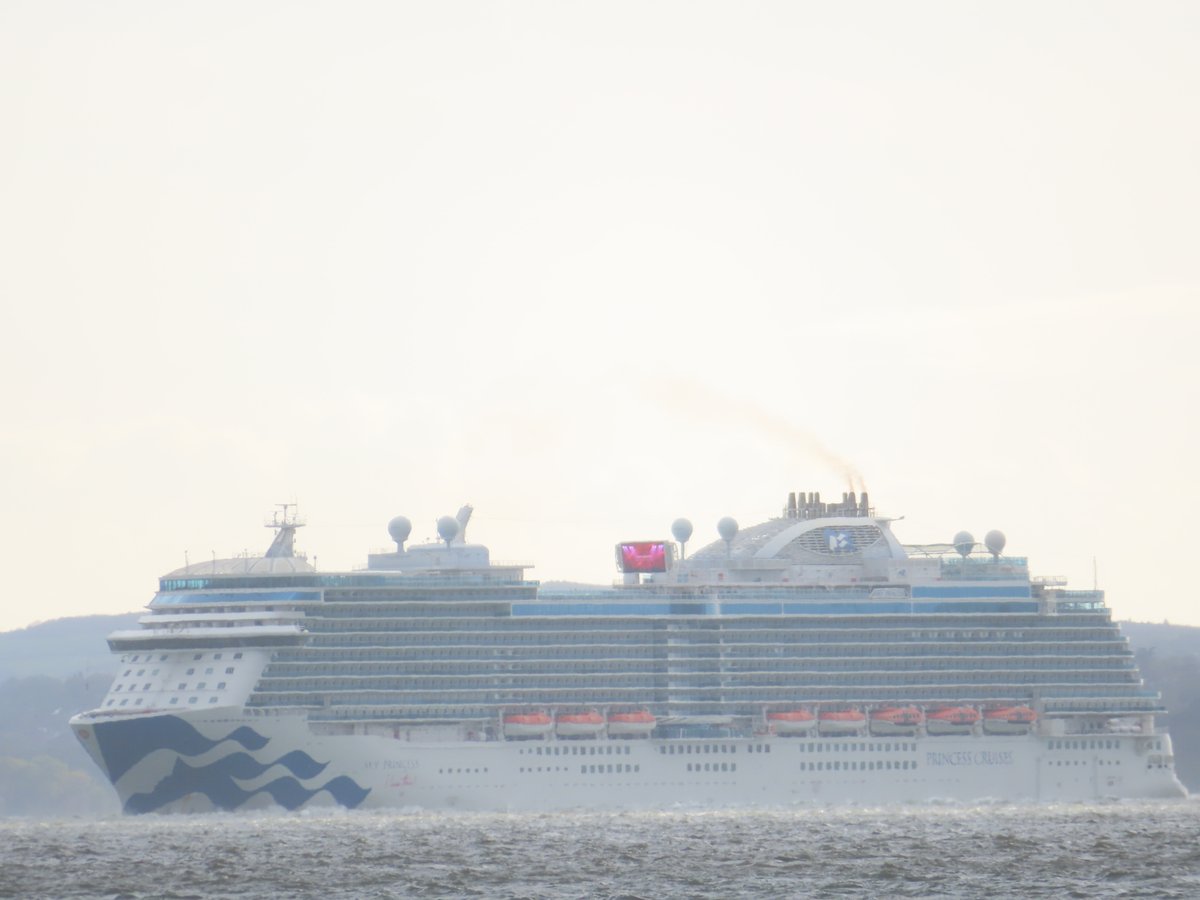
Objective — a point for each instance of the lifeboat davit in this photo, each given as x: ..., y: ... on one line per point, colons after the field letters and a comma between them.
x: 951, y: 720
x: 1008, y: 720
x: 631, y: 723
x: 840, y: 721
x: 901, y: 720
x: 527, y: 724
x: 791, y: 721
x: 585, y: 723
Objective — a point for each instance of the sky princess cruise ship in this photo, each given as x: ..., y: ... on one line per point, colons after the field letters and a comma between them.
x: 811, y: 658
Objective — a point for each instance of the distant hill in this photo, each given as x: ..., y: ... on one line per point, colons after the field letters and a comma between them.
x: 62, y: 647
x: 1162, y: 637
x: 1169, y: 659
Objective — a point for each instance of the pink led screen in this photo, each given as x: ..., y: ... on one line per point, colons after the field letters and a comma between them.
x: 643, y: 556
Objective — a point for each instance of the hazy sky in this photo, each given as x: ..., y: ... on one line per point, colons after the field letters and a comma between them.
x: 591, y: 267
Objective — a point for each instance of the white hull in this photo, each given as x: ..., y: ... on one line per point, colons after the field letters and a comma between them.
x: 242, y: 761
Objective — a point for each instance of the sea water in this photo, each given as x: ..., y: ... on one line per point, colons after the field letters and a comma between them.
x: 991, y: 850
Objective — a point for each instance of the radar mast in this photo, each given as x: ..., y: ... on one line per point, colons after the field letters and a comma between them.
x: 285, y: 521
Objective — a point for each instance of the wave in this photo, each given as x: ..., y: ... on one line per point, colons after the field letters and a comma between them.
x: 217, y: 782
x: 125, y: 743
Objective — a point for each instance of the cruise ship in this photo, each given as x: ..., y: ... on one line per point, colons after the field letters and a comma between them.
x: 809, y: 659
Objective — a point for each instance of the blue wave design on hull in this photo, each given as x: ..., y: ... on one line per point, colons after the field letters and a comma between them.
x: 216, y: 782
x: 244, y: 766
x: 126, y: 743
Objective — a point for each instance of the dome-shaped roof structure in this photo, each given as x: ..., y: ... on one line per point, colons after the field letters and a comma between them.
x: 794, y: 541
x: 245, y: 565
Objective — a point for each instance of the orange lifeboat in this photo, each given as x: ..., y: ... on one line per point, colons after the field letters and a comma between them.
x: 951, y: 720
x: 631, y: 723
x: 791, y: 721
x: 901, y: 720
x: 584, y: 723
x: 840, y: 721
x: 1008, y: 720
x: 527, y: 724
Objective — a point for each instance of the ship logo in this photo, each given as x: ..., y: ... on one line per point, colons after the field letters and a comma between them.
x: 839, y: 541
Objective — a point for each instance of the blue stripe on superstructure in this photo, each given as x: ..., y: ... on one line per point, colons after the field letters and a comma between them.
x: 847, y: 608
x: 190, y: 597
x: 751, y: 609
x: 906, y: 606
x: 614, y: 609
x: 957, y: 592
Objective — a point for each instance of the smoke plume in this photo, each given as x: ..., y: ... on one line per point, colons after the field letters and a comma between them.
x: 711, y: 407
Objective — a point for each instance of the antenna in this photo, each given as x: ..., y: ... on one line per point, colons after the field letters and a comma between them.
x: 399, y: 529
x: 964, y: 543
x: 285, y: 524
x: 727, y: 528
x: 447, y: 529
x: 681, y: 530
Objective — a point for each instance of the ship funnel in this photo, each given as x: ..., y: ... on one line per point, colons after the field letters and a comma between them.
x: 463, y: 516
